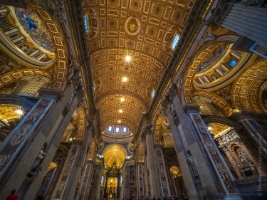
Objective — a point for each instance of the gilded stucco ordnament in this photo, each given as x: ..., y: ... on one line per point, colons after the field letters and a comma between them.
x: 79, y: 118
x: 245, y: 90
x: 216, y: 100
x: 8, y: 112
x: 143, y: 30
x: 16, y: 75
x: 114, y: 153
x: 199, y: 58
x: 59, y: 77
x: 161, y: 127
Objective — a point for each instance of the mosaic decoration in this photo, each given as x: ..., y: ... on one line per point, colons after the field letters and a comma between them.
x: 66, y: 171
x: 212, y: 152
x: 24, y: 130
x: 35, y: 28
x: 212, y: 58
x: 8, y: 64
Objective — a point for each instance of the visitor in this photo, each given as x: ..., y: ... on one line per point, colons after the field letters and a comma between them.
x: 185, y: 198
x: 159, y: 198
x: 12, y: 196
x: 154, y: 198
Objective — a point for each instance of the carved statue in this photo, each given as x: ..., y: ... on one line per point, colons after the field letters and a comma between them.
x: 36, y: 167
x: 192, y: 164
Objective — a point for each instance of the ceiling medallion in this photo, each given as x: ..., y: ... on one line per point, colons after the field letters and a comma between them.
x: 132, y: 25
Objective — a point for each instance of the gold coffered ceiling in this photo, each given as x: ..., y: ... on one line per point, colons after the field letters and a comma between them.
x: 142, y: 29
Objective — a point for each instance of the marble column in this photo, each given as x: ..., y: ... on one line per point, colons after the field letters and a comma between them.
x: 164, y: 183
x: 257, y: 135
x: 71, y: 187
x: 44, y: 124
x: 210, y: 149
x: 151, y: 161
x: 85, y: 181
x: 65, y: 174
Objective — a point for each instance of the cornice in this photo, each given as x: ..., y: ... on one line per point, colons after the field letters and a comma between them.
x: 76, y: 12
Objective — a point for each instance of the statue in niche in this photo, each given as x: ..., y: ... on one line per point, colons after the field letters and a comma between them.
x: 192, y: 164
x: 36, y: 167
x: 246, y: 167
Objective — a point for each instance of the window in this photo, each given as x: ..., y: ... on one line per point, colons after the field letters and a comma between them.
x: 153, y: 93
x: 232, y: 63
x: 110, y: 128
x: 94, y: 86
x: 3, y: 21
x: 124, y: 129
x: 86, y: 23
x: 175, y: 41
x: 117, y: 129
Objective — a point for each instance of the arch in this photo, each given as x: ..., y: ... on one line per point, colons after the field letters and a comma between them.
x: 216, y: 100
x: 14, y: 99
x: 16, y: 75
x: 245, y: 90
x: 222, y: 120
x: 59, y: 78
x: 188, y: 87
x: 114, y: 152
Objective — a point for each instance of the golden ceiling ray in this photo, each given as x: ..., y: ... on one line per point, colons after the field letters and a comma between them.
x: 142, y: 30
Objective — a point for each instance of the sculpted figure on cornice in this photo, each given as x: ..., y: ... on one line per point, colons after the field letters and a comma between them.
x: 147, y: 129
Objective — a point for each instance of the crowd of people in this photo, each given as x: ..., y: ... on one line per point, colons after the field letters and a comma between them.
x: 159, y: 198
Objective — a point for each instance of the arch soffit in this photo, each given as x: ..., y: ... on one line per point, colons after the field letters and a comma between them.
x: 15, y: 99
x: 59, y: 78
x: 191, y: 71
x: 122, y: 93
x: 217, y: 100
x: 245, y: 90
x: 16, y: 75
x: 222, y: 120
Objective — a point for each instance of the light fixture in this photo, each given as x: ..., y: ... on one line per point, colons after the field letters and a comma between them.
x: 124, y: 79
x: 122, y: 99
x: 209, y: 128
x: 71, y: 139
x: 19, y: 112
x: 120, y: 111
x: 128, y: 58
x: 119, y: 121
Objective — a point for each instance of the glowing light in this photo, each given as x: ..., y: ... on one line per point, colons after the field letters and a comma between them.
x: 209, y: 128
x: 119, y: 121
x: 128, y: 58
x: 122, y: 99
x: 70, y: 139
x: 124, y: 79
x: 19, y: 112
x: 120, y: 111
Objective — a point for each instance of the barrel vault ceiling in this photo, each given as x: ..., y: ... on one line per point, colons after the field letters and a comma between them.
x: 143, y: 30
